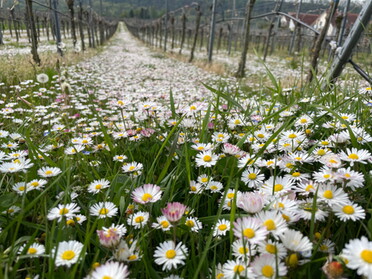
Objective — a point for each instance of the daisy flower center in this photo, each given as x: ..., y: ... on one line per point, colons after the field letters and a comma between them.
x: 35, y: 184
x: 366, y: 255
x: 353, y: 156
x: 204, y: 180
x: 68, y: 255
x: 220, y: 275
x: 270, y: 225
x: 292, y: 136
x: 222, y: 227
x: 267, y: 271
x: 70, y: 222
x: 238, y: 268
x: 98, y: 186
x: 303, y: 121
x: 139, y: 219
x: 237, y: 121
x: 327, y: 176
x: 271, y: 248
x: 103, y: 211
x: 31, y: 251
x: 243, y: 250
x: 207, y: 158
x: 278, y: 187
x: 261, y: 136
x: 249, y: 233
x: 201, y: 148
x: 190, y: 223
x: 347, y: 175
x: 146, y: 197
x: 328, y: 194
x: 213, y: 187
x: 309, y: 187
x: 321, y: 152
x: 164, y: 224
x: 296, y: 174
x: 348, y: 209
x: 132, y: 257
x: 193, y: 188
x: 22, y: 188
x: 48, y: 172
x: 64, y: 211
x: 170, y: 254
x: 106, y: 277
x: 132, y: 168
x: 252, y: 176
x: 230, y: 196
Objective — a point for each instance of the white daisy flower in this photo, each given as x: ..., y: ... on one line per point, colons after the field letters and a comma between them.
x: 296, y: 241
x: 237, y: 269
x: 49, y: 171
x: 206, y: 159
x: 138, y: 220
x: 349, y: 211
x: 112, y: 270
x: 104, y: 210
x: 358, y: 253
x: 97, y: 185
x: 221, y: 228
x: 162, y: 223
x: 169, y: 255
x: 63, y: 210
x: 67, y: 253
x: 34, y: 250
x: 266, y: 266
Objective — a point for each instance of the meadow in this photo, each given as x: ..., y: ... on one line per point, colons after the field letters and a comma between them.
x: 108, y: 175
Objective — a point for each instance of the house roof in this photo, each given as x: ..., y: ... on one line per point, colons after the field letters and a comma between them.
x: 306, y: 18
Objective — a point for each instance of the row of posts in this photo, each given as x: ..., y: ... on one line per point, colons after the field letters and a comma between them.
x: 98, y: 29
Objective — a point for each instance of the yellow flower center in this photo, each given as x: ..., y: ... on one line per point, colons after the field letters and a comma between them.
x: 22, y: 188
x: 193, y: 188
x: 98, y: 186
x: 213, y: 187
x: 139, y: 219
x: 324, y: 247
x: 252, y: 176
x: 249, y: 233
x: 64, y: 211
x: 222, y: 227
x: 366, y: 255
x: 207, y: 158
x: 353, y: 156
x: 201, y: 148
x: 293, y: 260
x: 321, y: 152
x: 347, y: 175
x: 204, y: 179
x: 243, y: 250
x: 303, y: 121
x: 333, y: 161
x: 230, y: 196
x: 292, y: 136
x: 289, y: 165
x: 35, y: 184
x: 106, y: 277
x: 267, y: 271
x: 31, y: 250
x: 327, y: 176
x: 132, y: 257
x: 261, y: 136
x: 328, y: 194
x: 48, y: 172
x: 170, y: 254
x: 286, y: 218
x: 146, y: 197
x: 296, y: 174
x: 238, y: 268
x: 68, y: 255
x: 220, y: 275
x: 270, y: 225
x: 345, y: 117
x: 309, y: 187
x: 271, y: 248
x: 192, y: 107
x: 278, y: 187
x: 348, y: 209
x: 70, y: 222
x: 132, y: 168
x: 85, y: 141
x: 324, y: 142
x: 103, y: 211
x: 237, y: 121
x: 164, y: 224
x: 190, y: 223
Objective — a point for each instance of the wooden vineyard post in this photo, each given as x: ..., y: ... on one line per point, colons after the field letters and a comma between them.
x: 198, y: 16
x: 11, y: 10
x: 241, y: 69
x: 318, y: 43
x: 212, y: 31
x: 57, y: 29
x: 70, y: 4
x: 183, y: 31
x: 33, y: 33
x: 271, y: 27
x: 296, y: 30
x: 173, y: 30
x: 351, y: 41
x: 81, y: 26
x: 166, y: 25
